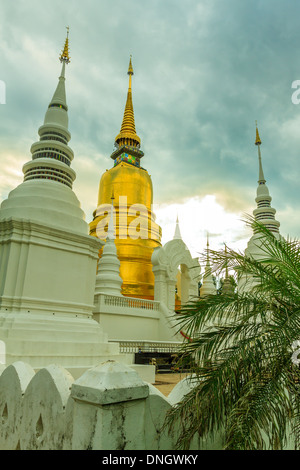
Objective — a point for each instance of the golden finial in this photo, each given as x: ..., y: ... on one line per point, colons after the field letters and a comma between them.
x: 130, y: 68
x: 64, y: 57
x: 127, y: 135
x: 257, y: 141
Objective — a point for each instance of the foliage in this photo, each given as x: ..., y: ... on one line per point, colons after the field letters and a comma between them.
x: 246, y: 384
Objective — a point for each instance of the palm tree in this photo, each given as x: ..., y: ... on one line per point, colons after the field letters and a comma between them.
x: 246, y: 383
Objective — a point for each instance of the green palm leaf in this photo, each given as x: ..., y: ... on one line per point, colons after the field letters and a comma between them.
x: 246, y: 385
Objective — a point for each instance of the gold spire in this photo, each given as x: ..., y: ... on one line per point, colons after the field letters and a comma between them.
x: 64, y: 57
x: 127, y: 135
x: 130, y: 68
x: 257, y: 141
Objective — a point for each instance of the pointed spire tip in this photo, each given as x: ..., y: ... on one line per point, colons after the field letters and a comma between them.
x: 130, y: 68
x: 65, y: 57
x: 127, y: 135
x: 177, y: 234
x: 257, y: 141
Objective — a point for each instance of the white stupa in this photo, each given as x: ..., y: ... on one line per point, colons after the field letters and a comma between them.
x: 264, y: 213
x: 48, y: 260
x: 108, y: 279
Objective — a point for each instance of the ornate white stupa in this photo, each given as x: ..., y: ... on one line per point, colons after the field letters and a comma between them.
x: 264, y: 213
x: 48, y: 260
x: 108, y: 279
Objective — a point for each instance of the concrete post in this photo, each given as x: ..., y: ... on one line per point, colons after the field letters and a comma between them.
x: 109, y: 409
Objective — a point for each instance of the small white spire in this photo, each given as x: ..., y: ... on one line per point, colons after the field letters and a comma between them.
x: 54, y: 136
x: 108, y: 280
x: 264, y: 212
x: 59, y: 96
x: 208, y: 286
x: 177, y: 234
x: 261, y: 177
x: 207, y: 250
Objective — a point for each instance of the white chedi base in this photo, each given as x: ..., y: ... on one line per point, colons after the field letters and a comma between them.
x: 76, y: 343
x: 48, y: 272
x: 45, y: 202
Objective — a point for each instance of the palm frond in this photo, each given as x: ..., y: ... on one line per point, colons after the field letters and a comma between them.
x: 241, y: 345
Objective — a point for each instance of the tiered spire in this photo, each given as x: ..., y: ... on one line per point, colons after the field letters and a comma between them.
x: 127, y: 142
x: 128, y: 134
x: 51, y: 155
x: 264, y: 213
x: 208, y: 287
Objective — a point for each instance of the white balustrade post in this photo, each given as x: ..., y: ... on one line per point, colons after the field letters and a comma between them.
x: 109, y: 409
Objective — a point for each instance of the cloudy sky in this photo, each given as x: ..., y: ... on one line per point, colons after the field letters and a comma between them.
x: 205, y: 70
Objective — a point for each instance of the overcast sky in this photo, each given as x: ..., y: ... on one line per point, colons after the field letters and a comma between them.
x: 204, y: 71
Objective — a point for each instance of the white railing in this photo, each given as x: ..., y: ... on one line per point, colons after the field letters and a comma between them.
x: 133, y: 346
x: 130, y: 302
x: 49, y: 410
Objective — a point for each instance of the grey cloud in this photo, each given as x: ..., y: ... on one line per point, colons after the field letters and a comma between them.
x: 204, y: 72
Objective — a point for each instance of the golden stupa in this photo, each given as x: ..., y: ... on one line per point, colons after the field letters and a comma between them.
x: 130, y: 187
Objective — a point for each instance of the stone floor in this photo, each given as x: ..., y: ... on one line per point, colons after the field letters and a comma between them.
x: 166, y: 382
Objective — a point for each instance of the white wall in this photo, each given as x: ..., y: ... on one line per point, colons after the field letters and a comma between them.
x: 108, y: 408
